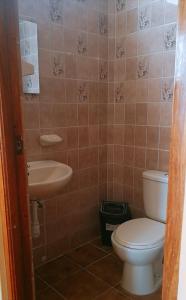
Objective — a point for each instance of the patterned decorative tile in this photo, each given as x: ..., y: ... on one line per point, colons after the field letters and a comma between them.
x: 103, y: 24
x: 82, y: 44
x: 144, y: 17
x: 143, y: 67
x: 119, y: 93
x: 120, y: 48
x: 58, y: 65
x: 56, y: 11
x: 120, y: 5
x: 82, y: 92
x: 103, y: 71
x: 170, y: 37
x: 167, y: 90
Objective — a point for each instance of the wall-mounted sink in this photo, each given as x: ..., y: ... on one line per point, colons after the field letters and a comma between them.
x: 47, y: 178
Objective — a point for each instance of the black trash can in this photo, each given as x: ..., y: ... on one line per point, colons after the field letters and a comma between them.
x: 111, y: 215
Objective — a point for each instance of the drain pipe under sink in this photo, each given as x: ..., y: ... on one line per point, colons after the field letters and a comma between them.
x: 35, y: 219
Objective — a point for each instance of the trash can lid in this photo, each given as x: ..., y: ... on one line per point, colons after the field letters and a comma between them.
x: 113, y: 208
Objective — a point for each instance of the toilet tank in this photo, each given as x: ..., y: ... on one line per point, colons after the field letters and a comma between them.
x: 155, y: 188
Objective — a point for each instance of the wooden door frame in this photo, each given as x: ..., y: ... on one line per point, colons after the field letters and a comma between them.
x: 13, y: 179
x: 3, y: 275
x: 177, y: 166
x: 182, y: 263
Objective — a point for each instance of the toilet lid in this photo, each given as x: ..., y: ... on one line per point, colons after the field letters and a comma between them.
x: 140, y: 233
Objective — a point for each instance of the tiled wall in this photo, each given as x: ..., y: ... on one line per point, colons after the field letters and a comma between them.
x: 106, y: 76
x: 142, y: 40
x: 73, y: 60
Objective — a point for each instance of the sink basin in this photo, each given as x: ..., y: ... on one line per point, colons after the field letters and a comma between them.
x: 47, y: 178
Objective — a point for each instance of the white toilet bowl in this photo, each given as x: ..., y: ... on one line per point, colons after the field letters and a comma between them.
x: 139, y: 244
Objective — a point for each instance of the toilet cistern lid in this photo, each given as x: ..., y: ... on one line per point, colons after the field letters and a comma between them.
x: 140, y: 233
x: 156, y: 176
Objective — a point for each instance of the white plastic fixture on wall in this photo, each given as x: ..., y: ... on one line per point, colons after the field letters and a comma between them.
x: 50, y: 140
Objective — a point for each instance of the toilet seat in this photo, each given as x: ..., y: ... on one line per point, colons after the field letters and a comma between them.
x: 140, y: 233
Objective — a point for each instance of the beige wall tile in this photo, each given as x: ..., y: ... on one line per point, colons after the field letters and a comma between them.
x: 140, y: 157
x: 170, y: 12
x: 151, y: 159
x: 31, y: 115
x: 140, y: 136
x: 131, y: 44
x: 132, y: 20
x: 163, y: 160
x: 153, y: 117
x: 157, y: 13
x: 141, y: 113
x: 130, y: 113
x: 152, y: 137
x: 131, y: 68
x: 165, y: 133
x: 166, y: 114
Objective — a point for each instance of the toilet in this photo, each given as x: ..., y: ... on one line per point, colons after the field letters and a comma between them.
x: 139, y: 242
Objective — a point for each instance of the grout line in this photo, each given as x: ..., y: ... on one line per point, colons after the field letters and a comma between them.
x: 102, y: 294
x: 110, y: 251
x: 65, y: 254
x: 49, y: 286
x: 98, y: 260
x: 81, y: 268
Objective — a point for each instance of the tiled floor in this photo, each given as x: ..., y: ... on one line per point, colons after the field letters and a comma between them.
x: 89, y: 272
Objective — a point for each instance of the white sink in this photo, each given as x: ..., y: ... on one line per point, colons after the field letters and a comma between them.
x: 47, y: 178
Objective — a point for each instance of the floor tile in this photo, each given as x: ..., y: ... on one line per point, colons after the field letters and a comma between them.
x: 87, y: 273
x: 86, y: 254
x: 112, y: 295
x: 109, y: 269
x: 81, y: 286
x: 48, y: 294
x: 39, y: 284
x: 154, y: 296
x: 57, y: 270
x: 98, y: 243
